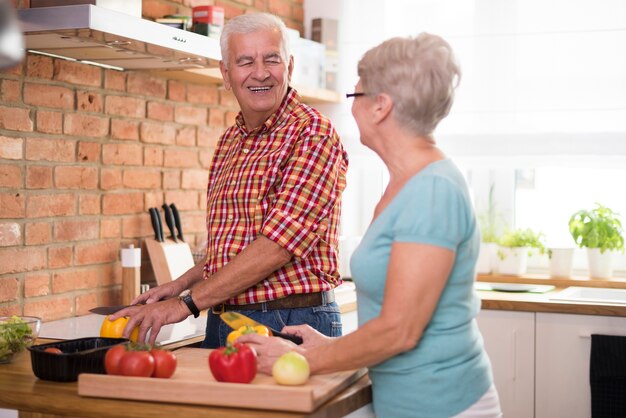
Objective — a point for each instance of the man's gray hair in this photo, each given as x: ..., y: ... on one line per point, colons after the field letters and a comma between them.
x: 252, y: 22
x: 419, y: 74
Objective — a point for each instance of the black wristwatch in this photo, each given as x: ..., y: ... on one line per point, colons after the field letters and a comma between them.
x: 185, y: 296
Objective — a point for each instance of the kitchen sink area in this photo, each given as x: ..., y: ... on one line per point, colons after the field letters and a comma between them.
x: 591, y: 294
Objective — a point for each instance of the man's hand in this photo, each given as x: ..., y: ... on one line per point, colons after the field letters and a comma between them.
x: 165, y: 291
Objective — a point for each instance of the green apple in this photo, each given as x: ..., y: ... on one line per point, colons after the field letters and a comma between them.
x: 291, y: 369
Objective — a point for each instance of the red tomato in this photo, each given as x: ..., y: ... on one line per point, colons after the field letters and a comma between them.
x: 112, y: 359
x: 164, y: 363
x: 234, y: 363
x: 136, y: 363
x: 53, y: 350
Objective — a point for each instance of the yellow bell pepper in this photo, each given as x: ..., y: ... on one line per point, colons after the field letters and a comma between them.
x: 247, y: 329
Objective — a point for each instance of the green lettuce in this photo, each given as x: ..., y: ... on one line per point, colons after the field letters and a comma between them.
x: 15, y: 336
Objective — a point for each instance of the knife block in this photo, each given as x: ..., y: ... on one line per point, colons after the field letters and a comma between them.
x: 169, y: 259
x: 131, y: 273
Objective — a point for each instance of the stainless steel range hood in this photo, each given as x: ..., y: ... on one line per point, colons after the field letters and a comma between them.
x: 94, y: 34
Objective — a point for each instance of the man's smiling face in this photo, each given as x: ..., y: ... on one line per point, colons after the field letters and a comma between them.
x: 257, y: 73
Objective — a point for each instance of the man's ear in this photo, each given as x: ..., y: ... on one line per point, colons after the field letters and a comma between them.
x: 225, y: 75
x: 383, y: 105
x: 290, y: 67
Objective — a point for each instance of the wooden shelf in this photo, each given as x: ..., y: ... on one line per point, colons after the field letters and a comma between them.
x: 213, y: 76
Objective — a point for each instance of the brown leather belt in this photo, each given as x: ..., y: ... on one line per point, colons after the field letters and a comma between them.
x: 300, y: 300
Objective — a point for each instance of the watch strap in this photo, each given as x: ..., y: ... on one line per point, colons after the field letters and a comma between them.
x: 187, y: 300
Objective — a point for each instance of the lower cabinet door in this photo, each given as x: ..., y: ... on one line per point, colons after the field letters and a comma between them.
x: 562, y: 363
x: 510, y: 343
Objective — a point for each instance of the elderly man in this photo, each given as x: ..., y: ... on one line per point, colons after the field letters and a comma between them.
x: 273, y: 202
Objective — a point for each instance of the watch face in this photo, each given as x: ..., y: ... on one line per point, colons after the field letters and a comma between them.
x: 185, y: 292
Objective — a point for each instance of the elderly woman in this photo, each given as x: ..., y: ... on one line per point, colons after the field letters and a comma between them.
x: 414, y: 268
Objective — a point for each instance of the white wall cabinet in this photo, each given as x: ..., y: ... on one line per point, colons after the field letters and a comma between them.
x: 510, y: 342
x: 562, y: 361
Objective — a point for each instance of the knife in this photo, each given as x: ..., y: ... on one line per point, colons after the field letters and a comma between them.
x: 156, y: 224
x: 169, y: 220
x: 179, y: 225
x: 159, y: 223
x: 108, y: 310
x: 235, y: 320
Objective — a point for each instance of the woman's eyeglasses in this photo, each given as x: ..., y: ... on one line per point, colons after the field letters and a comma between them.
x: 349, y: 95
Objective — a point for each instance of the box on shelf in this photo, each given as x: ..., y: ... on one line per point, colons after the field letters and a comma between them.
x: 130, y: 7
x: 206, y: 29
x: 175, y: 22
x: 309, y: 63
x: 212, y: 15
x: 332, y: 67
x: 324, y: 31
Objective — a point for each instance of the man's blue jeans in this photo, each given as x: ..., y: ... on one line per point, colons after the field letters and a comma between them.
x: 325, y: 318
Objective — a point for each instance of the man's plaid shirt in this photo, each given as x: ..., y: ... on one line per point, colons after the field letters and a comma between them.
x: 284, y: 181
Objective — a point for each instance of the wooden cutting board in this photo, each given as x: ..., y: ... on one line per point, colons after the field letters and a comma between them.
x: 169, y: 259
x: 193, y: 383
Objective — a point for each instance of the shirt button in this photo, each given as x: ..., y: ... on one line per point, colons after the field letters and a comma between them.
x: 245, y: 150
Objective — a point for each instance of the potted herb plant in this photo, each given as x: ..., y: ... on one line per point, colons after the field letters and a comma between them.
x: 514, y: 248
x: 600, y: 231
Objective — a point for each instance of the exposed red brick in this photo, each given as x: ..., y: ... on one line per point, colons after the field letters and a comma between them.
x: 37, y: 284
x: 9, y: 90
x: 38, y: 177
x: 11, y: 148
x: 42, y: 149
x: 10, y: 234
x: 10, y: 310
x: 125, y: 129
x: 208, y: 136
x: 11, y: 176
x: 76, y: 230
x: 171, y: 180
x: 48, y: 96
x: 125, y: 106
x: 157, y: 133
x: 85, y: 302
x: 152, y: 156
x: 89, y: 101
x: 67, y: 281
x: 228, y: 99
x: 122, y: 203
x: 121, y: 154
x: 160, y: 111
x: 110, y: 228
x: 177, y: 91
x: 202, y: 94
x: 12, y: 205
x: 297, y: 13
x: 77, y: 73
x: 136, y: 227
x: 88, y: 152
x: 59, y: 257
x: 8, y: 289
x: 75, y: 177
x: 111, y: 275
x: 186, y: 136
x: 156, y: 9
x: 180, y: 158
x: 86, y: 125
x: 50, y: 309
x: 38, y: 233
x: 49, y: 122
x: 190, y: 115
x: 38, y: 206
x: 187, y: 200
x: 195, y: 179
x: 144, y: 84
x: 261, y: 5
x: 110, y: 178
x: 16, y: 260
x: 153, y: 199
x: 15, y: 119
x: 142, y: 179
x: 230, y: 10
x: 206, y: 156
x: 100, y: 252
x: 216, y: 117
x: 39, y: 66
x: 89, y: 204
x: 114, y: 80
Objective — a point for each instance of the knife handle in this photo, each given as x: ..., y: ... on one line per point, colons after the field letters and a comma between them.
x: 177, y: 222
x: 169, y: 220
x: 159, y: 225
x: 155, y: 223
x: 291, y: 337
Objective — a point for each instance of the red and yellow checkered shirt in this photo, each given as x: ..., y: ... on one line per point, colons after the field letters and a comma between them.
x: 284, y: 181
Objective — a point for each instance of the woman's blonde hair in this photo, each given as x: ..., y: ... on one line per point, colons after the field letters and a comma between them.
x: 419, y: 74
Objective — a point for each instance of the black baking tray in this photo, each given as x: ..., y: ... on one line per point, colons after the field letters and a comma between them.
x: 82, y: 355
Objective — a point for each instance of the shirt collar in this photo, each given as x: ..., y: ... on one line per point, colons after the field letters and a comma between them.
x: 290, y: 101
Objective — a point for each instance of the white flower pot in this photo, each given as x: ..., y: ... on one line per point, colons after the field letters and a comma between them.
x: 561, y: 262
x: 487, y: 258
x: 600, y: 264
x: 512, y: 260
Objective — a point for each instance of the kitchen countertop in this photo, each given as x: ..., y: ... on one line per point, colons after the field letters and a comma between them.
x: 542, y: 302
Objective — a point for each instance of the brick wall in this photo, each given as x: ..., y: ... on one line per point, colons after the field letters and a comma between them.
x: 84, y: 152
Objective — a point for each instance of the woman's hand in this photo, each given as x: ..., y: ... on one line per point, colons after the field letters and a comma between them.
x: 310, y: 336
x: 268, y: 349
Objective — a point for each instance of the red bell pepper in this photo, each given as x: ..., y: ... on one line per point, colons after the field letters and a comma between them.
x: 235, y: 363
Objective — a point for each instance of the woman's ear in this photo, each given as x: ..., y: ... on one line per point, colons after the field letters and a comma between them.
x: 382, y: 107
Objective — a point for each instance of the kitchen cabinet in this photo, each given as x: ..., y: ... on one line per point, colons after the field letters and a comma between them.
x: 509, y: 339
x: 562, y: 361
